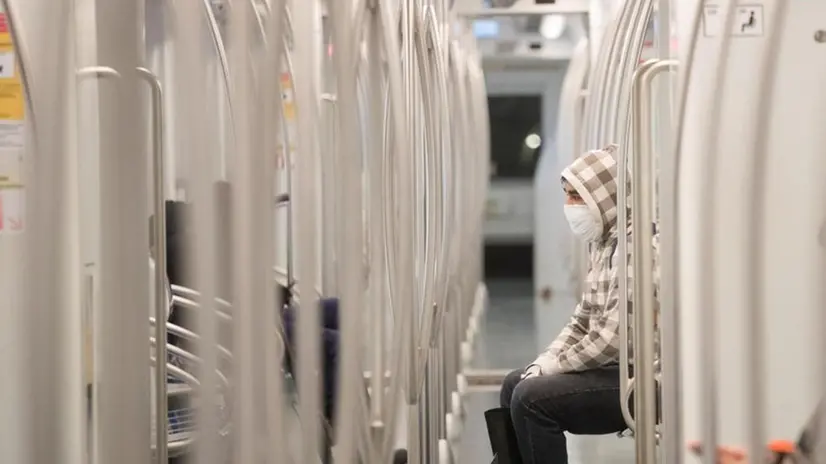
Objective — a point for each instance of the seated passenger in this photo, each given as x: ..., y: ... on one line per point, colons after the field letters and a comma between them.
x: 574, y: 386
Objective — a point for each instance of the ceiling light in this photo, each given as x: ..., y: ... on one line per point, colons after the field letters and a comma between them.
x: 533, y: 141
x: 552, y: 26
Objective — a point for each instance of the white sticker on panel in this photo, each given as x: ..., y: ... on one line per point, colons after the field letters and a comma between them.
x: 12, y: 210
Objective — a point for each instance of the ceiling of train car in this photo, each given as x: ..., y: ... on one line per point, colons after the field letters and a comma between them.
x: 530, y: 40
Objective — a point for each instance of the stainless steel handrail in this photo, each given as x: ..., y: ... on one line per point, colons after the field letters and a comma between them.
x: 629, y: 58
x: 187, y: 303
x: 607, y: 88
x: 349, y: 164
x: 626, y: 382
x: 220, y: 50
x: 402, y: 266
x: 192, y: 336
x: 177, y: 351
x: 305, y: 207
x: 645, y: 400
x: 161, y: 303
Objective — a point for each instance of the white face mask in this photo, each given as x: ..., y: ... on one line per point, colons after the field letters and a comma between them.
x: 583, y: 223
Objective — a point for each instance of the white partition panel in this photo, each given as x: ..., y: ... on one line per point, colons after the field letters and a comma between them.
x: 753, y: 95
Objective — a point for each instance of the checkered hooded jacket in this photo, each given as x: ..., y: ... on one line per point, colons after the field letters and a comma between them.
x: 591, y: 338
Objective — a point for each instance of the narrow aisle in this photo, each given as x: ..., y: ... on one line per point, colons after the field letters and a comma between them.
x: 508, y: 339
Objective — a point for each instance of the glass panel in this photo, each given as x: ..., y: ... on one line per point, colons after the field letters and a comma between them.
x: 516, y: 135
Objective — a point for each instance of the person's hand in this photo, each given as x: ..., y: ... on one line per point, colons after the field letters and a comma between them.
x: 531, y: 371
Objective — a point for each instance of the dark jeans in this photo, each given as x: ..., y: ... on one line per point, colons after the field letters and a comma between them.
x: 329, y: 350
x: 543, y: 408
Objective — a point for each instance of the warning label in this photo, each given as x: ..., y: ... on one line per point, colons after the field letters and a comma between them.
x: 11, y: 210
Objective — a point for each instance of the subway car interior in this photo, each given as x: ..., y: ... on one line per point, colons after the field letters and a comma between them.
x: 412, y: 231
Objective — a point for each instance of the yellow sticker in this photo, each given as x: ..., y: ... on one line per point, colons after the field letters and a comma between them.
x: 12, y: 103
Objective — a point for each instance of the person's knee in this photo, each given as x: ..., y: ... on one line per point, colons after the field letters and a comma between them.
x: 528, y: 393
x: 508, y: 386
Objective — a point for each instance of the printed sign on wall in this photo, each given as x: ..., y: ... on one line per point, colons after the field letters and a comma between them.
x: 12, y: 135
x: 12, y: 104
x: 12, y: 210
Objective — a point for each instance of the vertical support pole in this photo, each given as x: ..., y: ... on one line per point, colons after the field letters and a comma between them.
x: 243, y: 245
x: 267, y: 183
x: 378, y: 270
x: 161, y: 303
x: 192, y: 124
x: 306, y: 52
x: 671, y: 430
x: 406, y: 169
x: 124, y: 396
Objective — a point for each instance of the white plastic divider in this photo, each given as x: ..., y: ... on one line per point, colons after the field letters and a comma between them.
x: 417, y: 135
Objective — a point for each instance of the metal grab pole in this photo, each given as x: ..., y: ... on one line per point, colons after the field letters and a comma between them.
x: 396, y: 272
x: 349, y: 162
x: 596, y: 88
x: 245, y: 280
x: 645, y: 403
x: 275, y: 347
x: 305, y: 45
x: 606, y: 76
x: 406, y: 170
x: 628, y: 59
x: 95, y: 72
x: 626, y: 146
x: 432, y: 312
x: 377, y: 243
x: 220, y: 50
x: 161, y: 302
x: 190, y: 29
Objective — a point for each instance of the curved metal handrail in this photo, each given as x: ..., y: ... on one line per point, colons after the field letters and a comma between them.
x: 186, y: 355
x: 622, y: 250
x: 188, y: 293
x: 628, y: 59
x: 191, y: 336
x: 604, y: 76
x: 644, y: 303
x: 159, y: 239
x: 187, y: 303
x: 220, y: 50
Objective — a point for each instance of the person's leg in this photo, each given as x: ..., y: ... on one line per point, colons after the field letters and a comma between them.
x: 330, y: 348
x: 583, y: 403
x: 329, y: 313
x: 508, y: 386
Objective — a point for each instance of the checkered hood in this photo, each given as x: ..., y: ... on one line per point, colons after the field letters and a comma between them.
x: 594, y: 176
